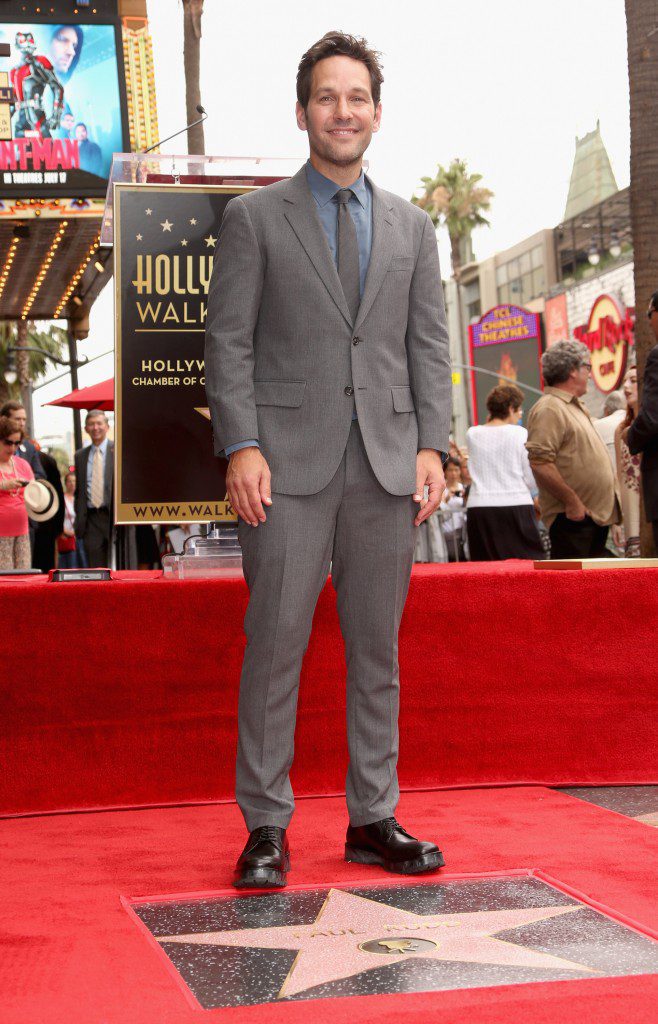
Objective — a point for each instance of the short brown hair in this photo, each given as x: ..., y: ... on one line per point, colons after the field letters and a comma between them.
x: 338, y: 44
x: 11, y: 406
x: 8, y: 428
x: 502, y: 399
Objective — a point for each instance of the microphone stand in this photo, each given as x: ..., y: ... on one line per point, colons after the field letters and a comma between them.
x: 161, y: 142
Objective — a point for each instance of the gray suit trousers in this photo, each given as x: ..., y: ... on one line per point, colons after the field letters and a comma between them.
x: 367, y: 535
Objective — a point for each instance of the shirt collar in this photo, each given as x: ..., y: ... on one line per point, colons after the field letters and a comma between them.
x: 324, y: 189
x: 102, y: 446
x: 566, y: 396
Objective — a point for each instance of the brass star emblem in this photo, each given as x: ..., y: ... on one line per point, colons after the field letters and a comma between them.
x: 210, y: 241
x: 192, y: 220
x: 148, y: 212
x: 166, y: 225
x: 184, y: 241
x: 352, y: 935
x: 138, y: 237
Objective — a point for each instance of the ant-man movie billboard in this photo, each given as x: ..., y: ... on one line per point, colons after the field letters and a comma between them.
x: 61, y: 108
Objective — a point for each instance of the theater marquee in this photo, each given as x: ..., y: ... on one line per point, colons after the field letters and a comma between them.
x: 165, y: 241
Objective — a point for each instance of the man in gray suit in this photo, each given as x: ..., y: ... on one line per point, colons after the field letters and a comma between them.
x: 329, y: 385
x: 94, y: 484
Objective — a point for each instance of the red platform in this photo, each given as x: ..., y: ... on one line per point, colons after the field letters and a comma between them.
x: 125, y: 693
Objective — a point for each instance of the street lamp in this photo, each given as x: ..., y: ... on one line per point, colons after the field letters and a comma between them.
x: 593, y: 255
x: 11, y: 373
x: 615, y: 245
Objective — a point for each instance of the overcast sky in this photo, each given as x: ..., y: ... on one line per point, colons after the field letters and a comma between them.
x: 504, y: 84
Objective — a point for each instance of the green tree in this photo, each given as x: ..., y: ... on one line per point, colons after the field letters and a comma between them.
x: 455, y: 199
x: 51, y: 340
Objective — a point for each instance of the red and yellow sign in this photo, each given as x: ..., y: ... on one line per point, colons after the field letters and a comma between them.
x: 608, y: 334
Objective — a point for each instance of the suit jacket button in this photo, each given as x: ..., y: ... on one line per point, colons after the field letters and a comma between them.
x: 355, y: 341
x: 349, y: 392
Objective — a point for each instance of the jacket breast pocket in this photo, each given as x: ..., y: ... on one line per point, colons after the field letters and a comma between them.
x: 403, y: 400
x: 286, y: 393
x: 401, y: 263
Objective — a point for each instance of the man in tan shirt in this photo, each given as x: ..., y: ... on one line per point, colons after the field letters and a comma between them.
x: 578, y: 493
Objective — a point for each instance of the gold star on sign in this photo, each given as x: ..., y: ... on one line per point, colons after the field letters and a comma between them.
x: 166, y: 225
x: 138, y: 237
x: 192, y: 220
x: 184, y: 241
x: 148, y: 212
x: 210, y: 241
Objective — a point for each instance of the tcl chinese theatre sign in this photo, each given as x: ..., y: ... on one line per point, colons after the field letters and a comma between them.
x: 608, y: 334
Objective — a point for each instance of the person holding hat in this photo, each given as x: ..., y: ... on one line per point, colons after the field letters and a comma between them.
x: 15, y: 473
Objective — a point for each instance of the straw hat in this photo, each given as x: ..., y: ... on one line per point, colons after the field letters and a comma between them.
x: 41, y: 500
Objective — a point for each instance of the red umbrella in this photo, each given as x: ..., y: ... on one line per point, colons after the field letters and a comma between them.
x: 98, y: 396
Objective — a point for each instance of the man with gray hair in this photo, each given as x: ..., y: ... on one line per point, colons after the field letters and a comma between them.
x: 578, y: 493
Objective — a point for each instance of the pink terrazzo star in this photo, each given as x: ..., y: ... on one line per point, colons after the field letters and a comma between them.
x: 330, y: 948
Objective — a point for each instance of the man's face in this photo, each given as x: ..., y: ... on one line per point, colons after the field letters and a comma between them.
x: 580, y: 377
x: 68, y: 121
x: 63, y: 48
x: 97, y: 428
x: 19, y: 418
x: 81, y: 133
x: 652, y: 313
x: 341, y: 116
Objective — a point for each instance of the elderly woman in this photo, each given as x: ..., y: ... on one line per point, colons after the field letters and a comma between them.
x: 501, y: 521
x: 15, y: 473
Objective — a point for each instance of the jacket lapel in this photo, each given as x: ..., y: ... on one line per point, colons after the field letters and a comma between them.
x: 302, y: 216
x: 109, y: 473
x: 380, y: 254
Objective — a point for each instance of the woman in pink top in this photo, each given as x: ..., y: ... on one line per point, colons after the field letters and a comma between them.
x: 14, y: 474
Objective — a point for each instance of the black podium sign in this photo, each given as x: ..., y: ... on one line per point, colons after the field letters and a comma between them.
x: 165, y: 240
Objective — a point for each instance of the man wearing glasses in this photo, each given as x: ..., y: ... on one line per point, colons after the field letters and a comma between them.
x: 642, y: 435
x: 578, y: 493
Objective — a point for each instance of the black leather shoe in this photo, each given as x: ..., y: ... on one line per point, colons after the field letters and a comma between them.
x: 386, y: 843
x: 265, y: 860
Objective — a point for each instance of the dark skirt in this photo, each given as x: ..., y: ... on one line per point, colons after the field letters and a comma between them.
x: 506, y: 532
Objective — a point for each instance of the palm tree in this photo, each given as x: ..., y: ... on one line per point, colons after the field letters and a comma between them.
x: 30, y: 365
x: 642, y: 31
x: 192, y: 14
x: 454, y: 198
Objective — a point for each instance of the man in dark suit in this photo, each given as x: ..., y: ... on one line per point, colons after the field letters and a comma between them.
x: 94, y: 490
x: 45, y: 538
x: 642, y: 435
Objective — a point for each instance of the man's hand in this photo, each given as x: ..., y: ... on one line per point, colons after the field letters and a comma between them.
x: 248, y: 484
x: 429, y: 473
x: 574, y: 509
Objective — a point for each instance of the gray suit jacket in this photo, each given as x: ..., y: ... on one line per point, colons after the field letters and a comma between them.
x: 286, y: 365
x: 80, y: 498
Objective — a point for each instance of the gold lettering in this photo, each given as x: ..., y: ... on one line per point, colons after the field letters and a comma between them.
x: 162, y: 275
x: 144, y: 282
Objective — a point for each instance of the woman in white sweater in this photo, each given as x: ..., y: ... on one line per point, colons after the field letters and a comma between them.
x: 501, y: 520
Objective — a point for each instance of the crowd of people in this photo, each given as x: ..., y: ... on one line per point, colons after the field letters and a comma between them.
x: 568, y: 486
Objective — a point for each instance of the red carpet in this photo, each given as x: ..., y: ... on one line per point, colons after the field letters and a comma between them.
x: 508, y: 676
x: 73, y: 956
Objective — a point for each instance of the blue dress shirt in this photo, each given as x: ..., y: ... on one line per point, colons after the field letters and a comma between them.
x: 323, y: 191
x: 90, y: 456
